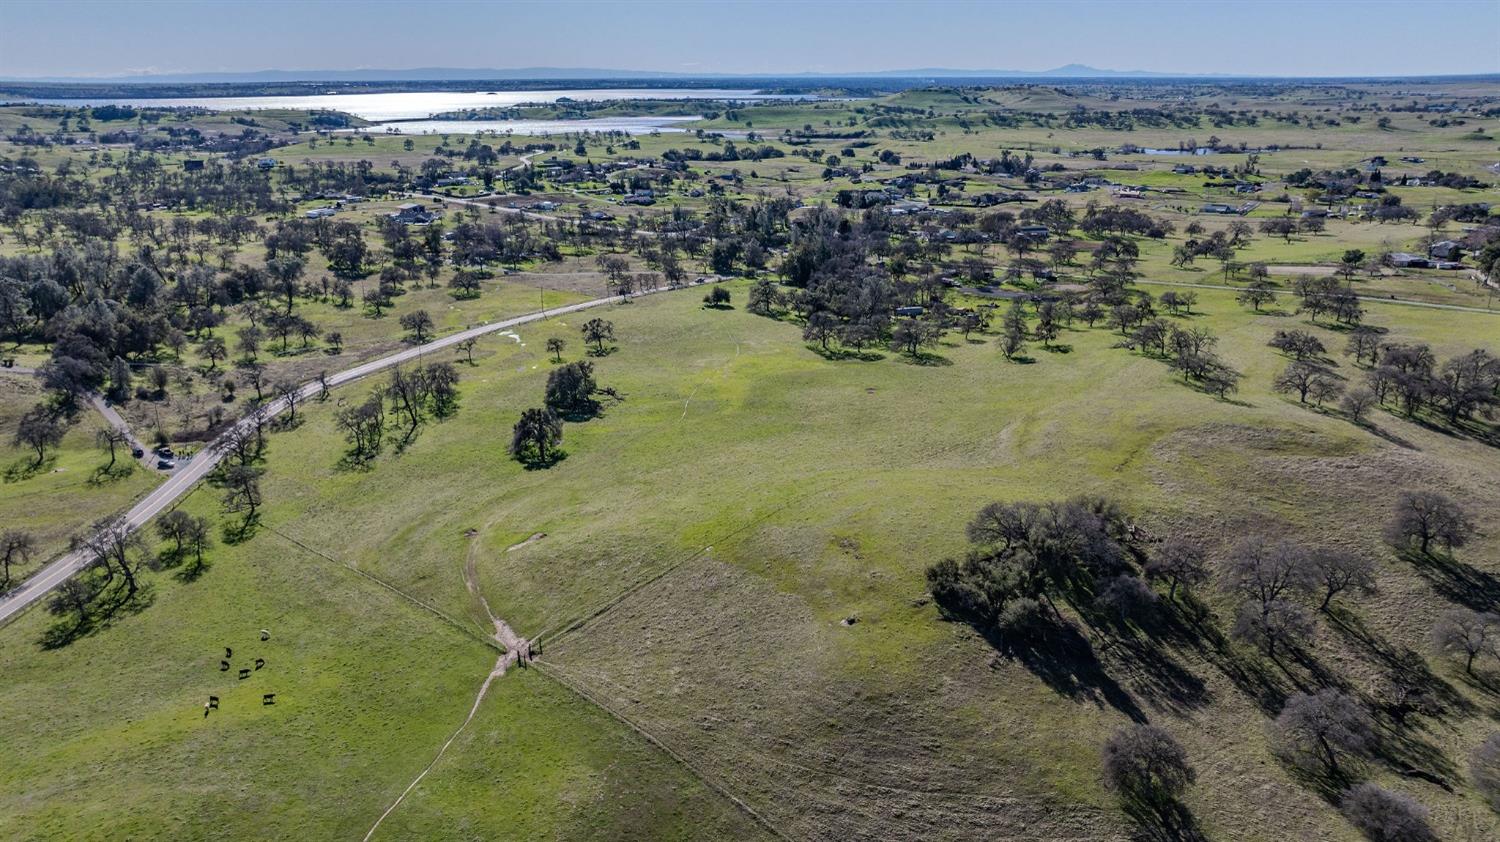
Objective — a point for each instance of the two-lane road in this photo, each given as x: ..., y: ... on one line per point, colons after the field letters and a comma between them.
x: 181, y: 482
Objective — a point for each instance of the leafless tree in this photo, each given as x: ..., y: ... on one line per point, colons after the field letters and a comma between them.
x: 40, y: 429
x: 1338, y: 571
x: 114, y: 549
x: 109, y: 439
x: 1177, y: 561
x: 1468, y: 633
x: 1323, y: 727
x: 16, y: 548
x: 1427, y: 517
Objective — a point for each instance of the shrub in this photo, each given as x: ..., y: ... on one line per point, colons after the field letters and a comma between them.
x: 1144, y: 763
x: 1385, y: 816
x: 1484, y: 770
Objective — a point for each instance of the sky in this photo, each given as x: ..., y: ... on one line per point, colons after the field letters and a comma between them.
x: 1241, y: 37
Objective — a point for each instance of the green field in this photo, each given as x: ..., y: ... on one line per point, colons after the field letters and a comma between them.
x: 60, y: 497
x: 724, y: 577
x: 705, y: 542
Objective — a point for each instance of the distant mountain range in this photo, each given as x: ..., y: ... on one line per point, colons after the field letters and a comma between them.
x: 1073, y: 71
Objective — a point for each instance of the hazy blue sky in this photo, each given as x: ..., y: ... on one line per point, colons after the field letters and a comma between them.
x: 1272, y: 37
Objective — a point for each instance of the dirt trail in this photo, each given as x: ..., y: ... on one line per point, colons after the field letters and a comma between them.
x: 516, y: 648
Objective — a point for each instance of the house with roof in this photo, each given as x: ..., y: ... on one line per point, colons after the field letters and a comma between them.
x: 413, y: 213
x: 1446, y: 250
x: 1403, y: 260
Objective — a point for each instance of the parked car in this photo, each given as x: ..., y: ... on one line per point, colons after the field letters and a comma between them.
x: 165, y: 464
x: 137, y: 452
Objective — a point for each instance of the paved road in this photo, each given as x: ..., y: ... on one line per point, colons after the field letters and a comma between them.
x: 181, y: 482
x: 110, y: 415
x: 104, y: 409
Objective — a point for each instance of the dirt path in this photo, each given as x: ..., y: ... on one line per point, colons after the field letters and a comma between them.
x: 516, y: 648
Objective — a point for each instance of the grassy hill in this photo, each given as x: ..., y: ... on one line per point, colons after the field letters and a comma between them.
x: 726, y: 576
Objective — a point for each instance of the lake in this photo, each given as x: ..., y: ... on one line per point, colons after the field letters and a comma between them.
x: 628, y: 125
x: 380, y: 108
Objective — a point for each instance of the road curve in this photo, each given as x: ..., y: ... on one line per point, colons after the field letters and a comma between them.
x: 62, y: 568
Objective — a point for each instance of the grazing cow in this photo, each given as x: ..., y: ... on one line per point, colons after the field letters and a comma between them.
x: 265, y: 634
x: 244, y: 673
x: 211, y: 704
x: 223, y: 666
x: 268, y: 699
x: 228, y: 653
x: 260, y: 662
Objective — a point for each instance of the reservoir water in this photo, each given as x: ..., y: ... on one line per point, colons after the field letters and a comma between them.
x: 628, y: 125
x: 418, y: 104
x: 409, y: 112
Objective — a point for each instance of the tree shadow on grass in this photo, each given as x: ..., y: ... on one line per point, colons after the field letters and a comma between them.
x: 1411, y: 755
x: 1401, y: 665
x: 1065, y: 661
x: 1170, y: 821
x: 1317, y: 674
x: 1149, y: 667
x: 188, y: 566
x: 240, y: 531
x: 535, y: 464
x: 99, y: 615
x: 26, y: 468
x: 1157, y: 677
x: 1482, y: 682
x: 1461, y: 431
x: 192, y: 572
x: 838, y: 354
x: 1250, y: 676
x: 926, y: 358
x: 1381, y: 432
x: 1062, y: 348
x: 104, y: 474
x: 1456, y: 581
x: 1021, y: 359
x: 1328, y: 784
x: 349, y: 463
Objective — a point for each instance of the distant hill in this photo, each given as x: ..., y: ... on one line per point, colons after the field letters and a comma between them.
x: 556, y: 73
